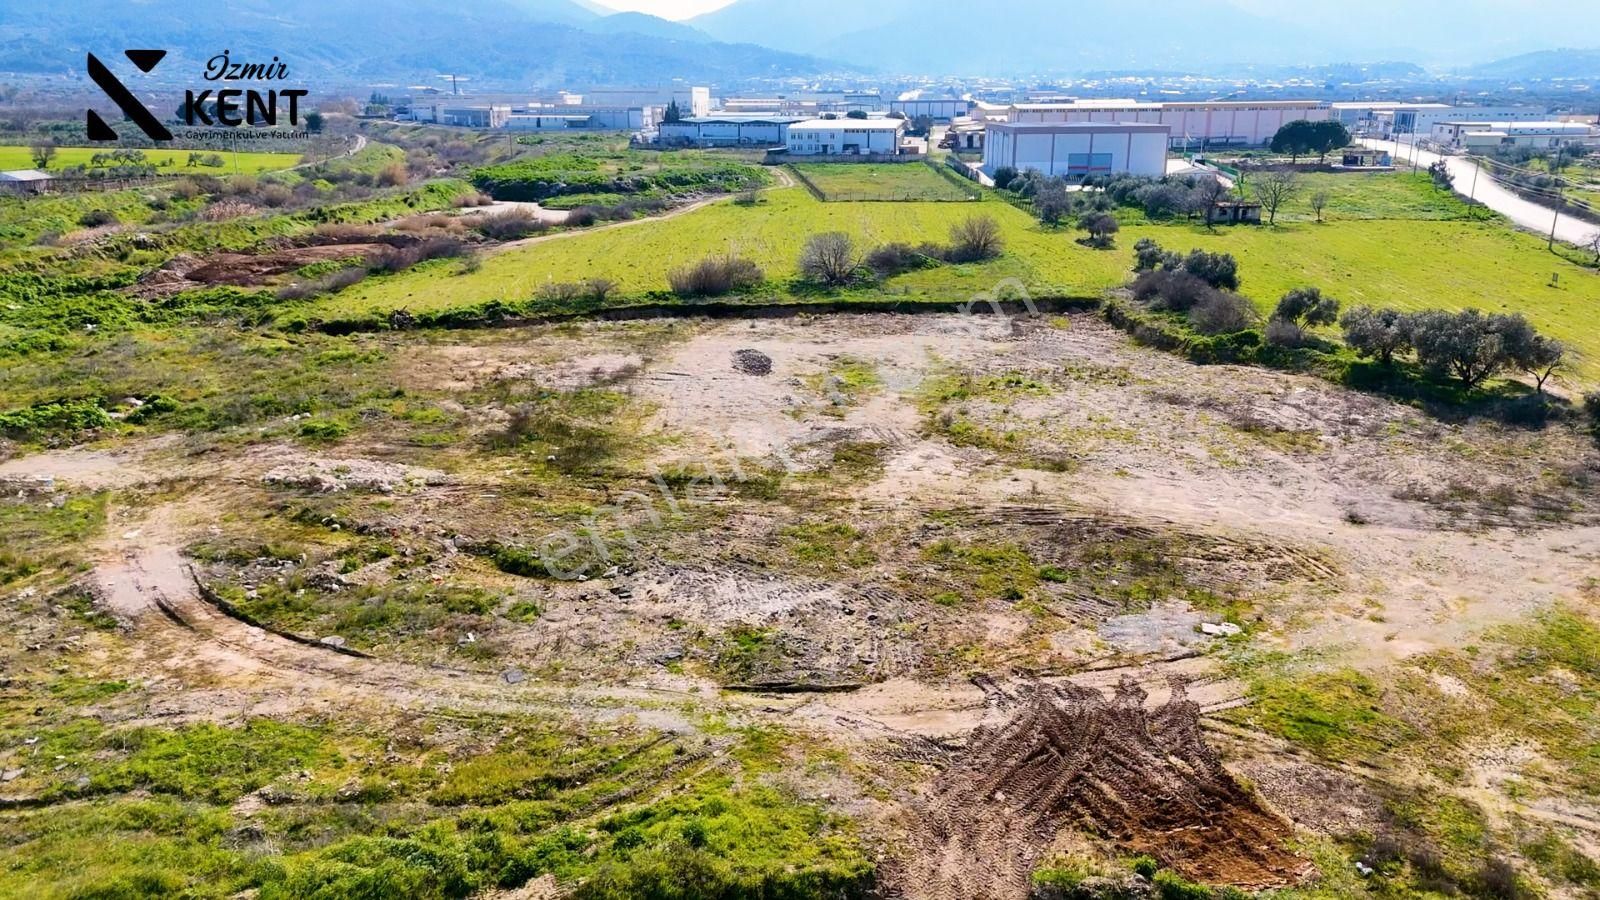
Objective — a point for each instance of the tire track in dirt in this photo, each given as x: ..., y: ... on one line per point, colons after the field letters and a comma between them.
x: 1069, y: 758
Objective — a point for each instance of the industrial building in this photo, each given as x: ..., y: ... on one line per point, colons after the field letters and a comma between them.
x: 728, y: 131
x: 1077, y: 150
x: 1387, y: 119
x: 605, y: 118
x: 486, y: 116
x: 939, y: 109
x: 692, y: 101
x: 1483, y: 137
x: 845, y: 137
x: 1196, y: 125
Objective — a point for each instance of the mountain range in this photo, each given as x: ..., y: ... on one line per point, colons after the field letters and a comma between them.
x: 522, y: 43
x: 1072, y: 36
x: 549, y: 43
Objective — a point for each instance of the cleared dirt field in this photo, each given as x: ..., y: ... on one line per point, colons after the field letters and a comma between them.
x: 991, y: 583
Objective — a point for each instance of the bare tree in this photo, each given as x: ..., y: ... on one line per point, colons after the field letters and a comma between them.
x: 1274, y: 189
x: 1207, y: 194
x: 1594, y: 247
x: 1319, y: 202
x: 42, y: 152
x: 829, y: 258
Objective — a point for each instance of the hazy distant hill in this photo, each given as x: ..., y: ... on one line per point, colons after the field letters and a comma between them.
x: 506, y: 42
x: 1543, y: 64
x: 1018, y: 36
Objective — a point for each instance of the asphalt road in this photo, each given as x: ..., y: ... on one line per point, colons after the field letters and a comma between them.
x: 1527, y: 215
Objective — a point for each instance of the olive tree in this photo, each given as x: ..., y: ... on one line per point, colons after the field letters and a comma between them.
x: 1101, y: 226
x: 1473, y: 347
x: 1297, y: 310
x: 1376, y: 333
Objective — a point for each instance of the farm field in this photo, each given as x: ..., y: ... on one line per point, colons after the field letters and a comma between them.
x: 881, y: 181
x: 169, y: 162
x: 1407, y: 263
x: 1382, y: 195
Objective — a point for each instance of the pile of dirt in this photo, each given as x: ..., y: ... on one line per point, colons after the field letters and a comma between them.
x: 752, y: 362
x: 1069, y: 759
x: 332, y: 475
x: 187, y: 272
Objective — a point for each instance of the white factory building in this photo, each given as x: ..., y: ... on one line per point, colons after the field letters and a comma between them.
x: 728, y: 131
x: 1077, y: 150
x: 1481, y: 137
x: 939, y: 109
x: 1385, y: 119
x: 606, y: 118
x: 1197, y: 125
x: 845, y: 137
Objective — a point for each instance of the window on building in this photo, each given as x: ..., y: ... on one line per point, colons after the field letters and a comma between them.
x: 1079, y: 164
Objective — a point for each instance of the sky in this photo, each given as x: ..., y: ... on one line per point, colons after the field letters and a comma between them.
x: 666, y: 9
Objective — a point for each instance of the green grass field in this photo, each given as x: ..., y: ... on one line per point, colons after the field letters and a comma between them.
x: 170, y: 162
x: 1374, y: 195
x: 1407, y: 263
x: 880, y: 181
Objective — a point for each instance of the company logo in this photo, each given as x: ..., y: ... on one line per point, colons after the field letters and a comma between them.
x: 230, y: 107
x: 119, y: 93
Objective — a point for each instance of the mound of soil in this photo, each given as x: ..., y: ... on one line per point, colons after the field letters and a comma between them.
x: 752, y: 362
x: 1068, y: 758
x: 188, y: 272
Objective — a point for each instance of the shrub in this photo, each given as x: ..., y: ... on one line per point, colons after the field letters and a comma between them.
x: 275, y: 195
x: 894, y: 258
x: 1376, y: 333
x: 1175, y: 291
x: 1220, y: 270
x: 1003, y: 177
x: 397, y: 259
x: 95, y: 218
x: 829, y: 258
x: 392, y: 175
x: 1221, y: 312
x: 714, y: 276
x: 510, y: 225
x: 974, y: 239
x: 327, y: 284
x: 1591, y: 407
x: 596, y: 289
x: 582, y: 217
x: 1284, y: 333
x: 61, y: 417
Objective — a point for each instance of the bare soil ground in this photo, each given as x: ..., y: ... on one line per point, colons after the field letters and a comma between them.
x: 985, y: 548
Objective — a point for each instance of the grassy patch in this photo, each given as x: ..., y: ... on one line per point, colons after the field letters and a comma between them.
x: 1336, y: 714
x: 167, y: 162
x: 880, y: 181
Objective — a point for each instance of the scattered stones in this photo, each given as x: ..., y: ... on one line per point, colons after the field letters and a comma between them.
x: 513, y: 676
x: 333, y: 475
x: 752, y: 362
x: 1220, y: 629
x: 334, y: 640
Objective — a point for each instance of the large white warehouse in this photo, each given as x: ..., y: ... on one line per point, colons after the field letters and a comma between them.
x: 1209, y: 123
x: 1077, y: 149
x: 729, y: 131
